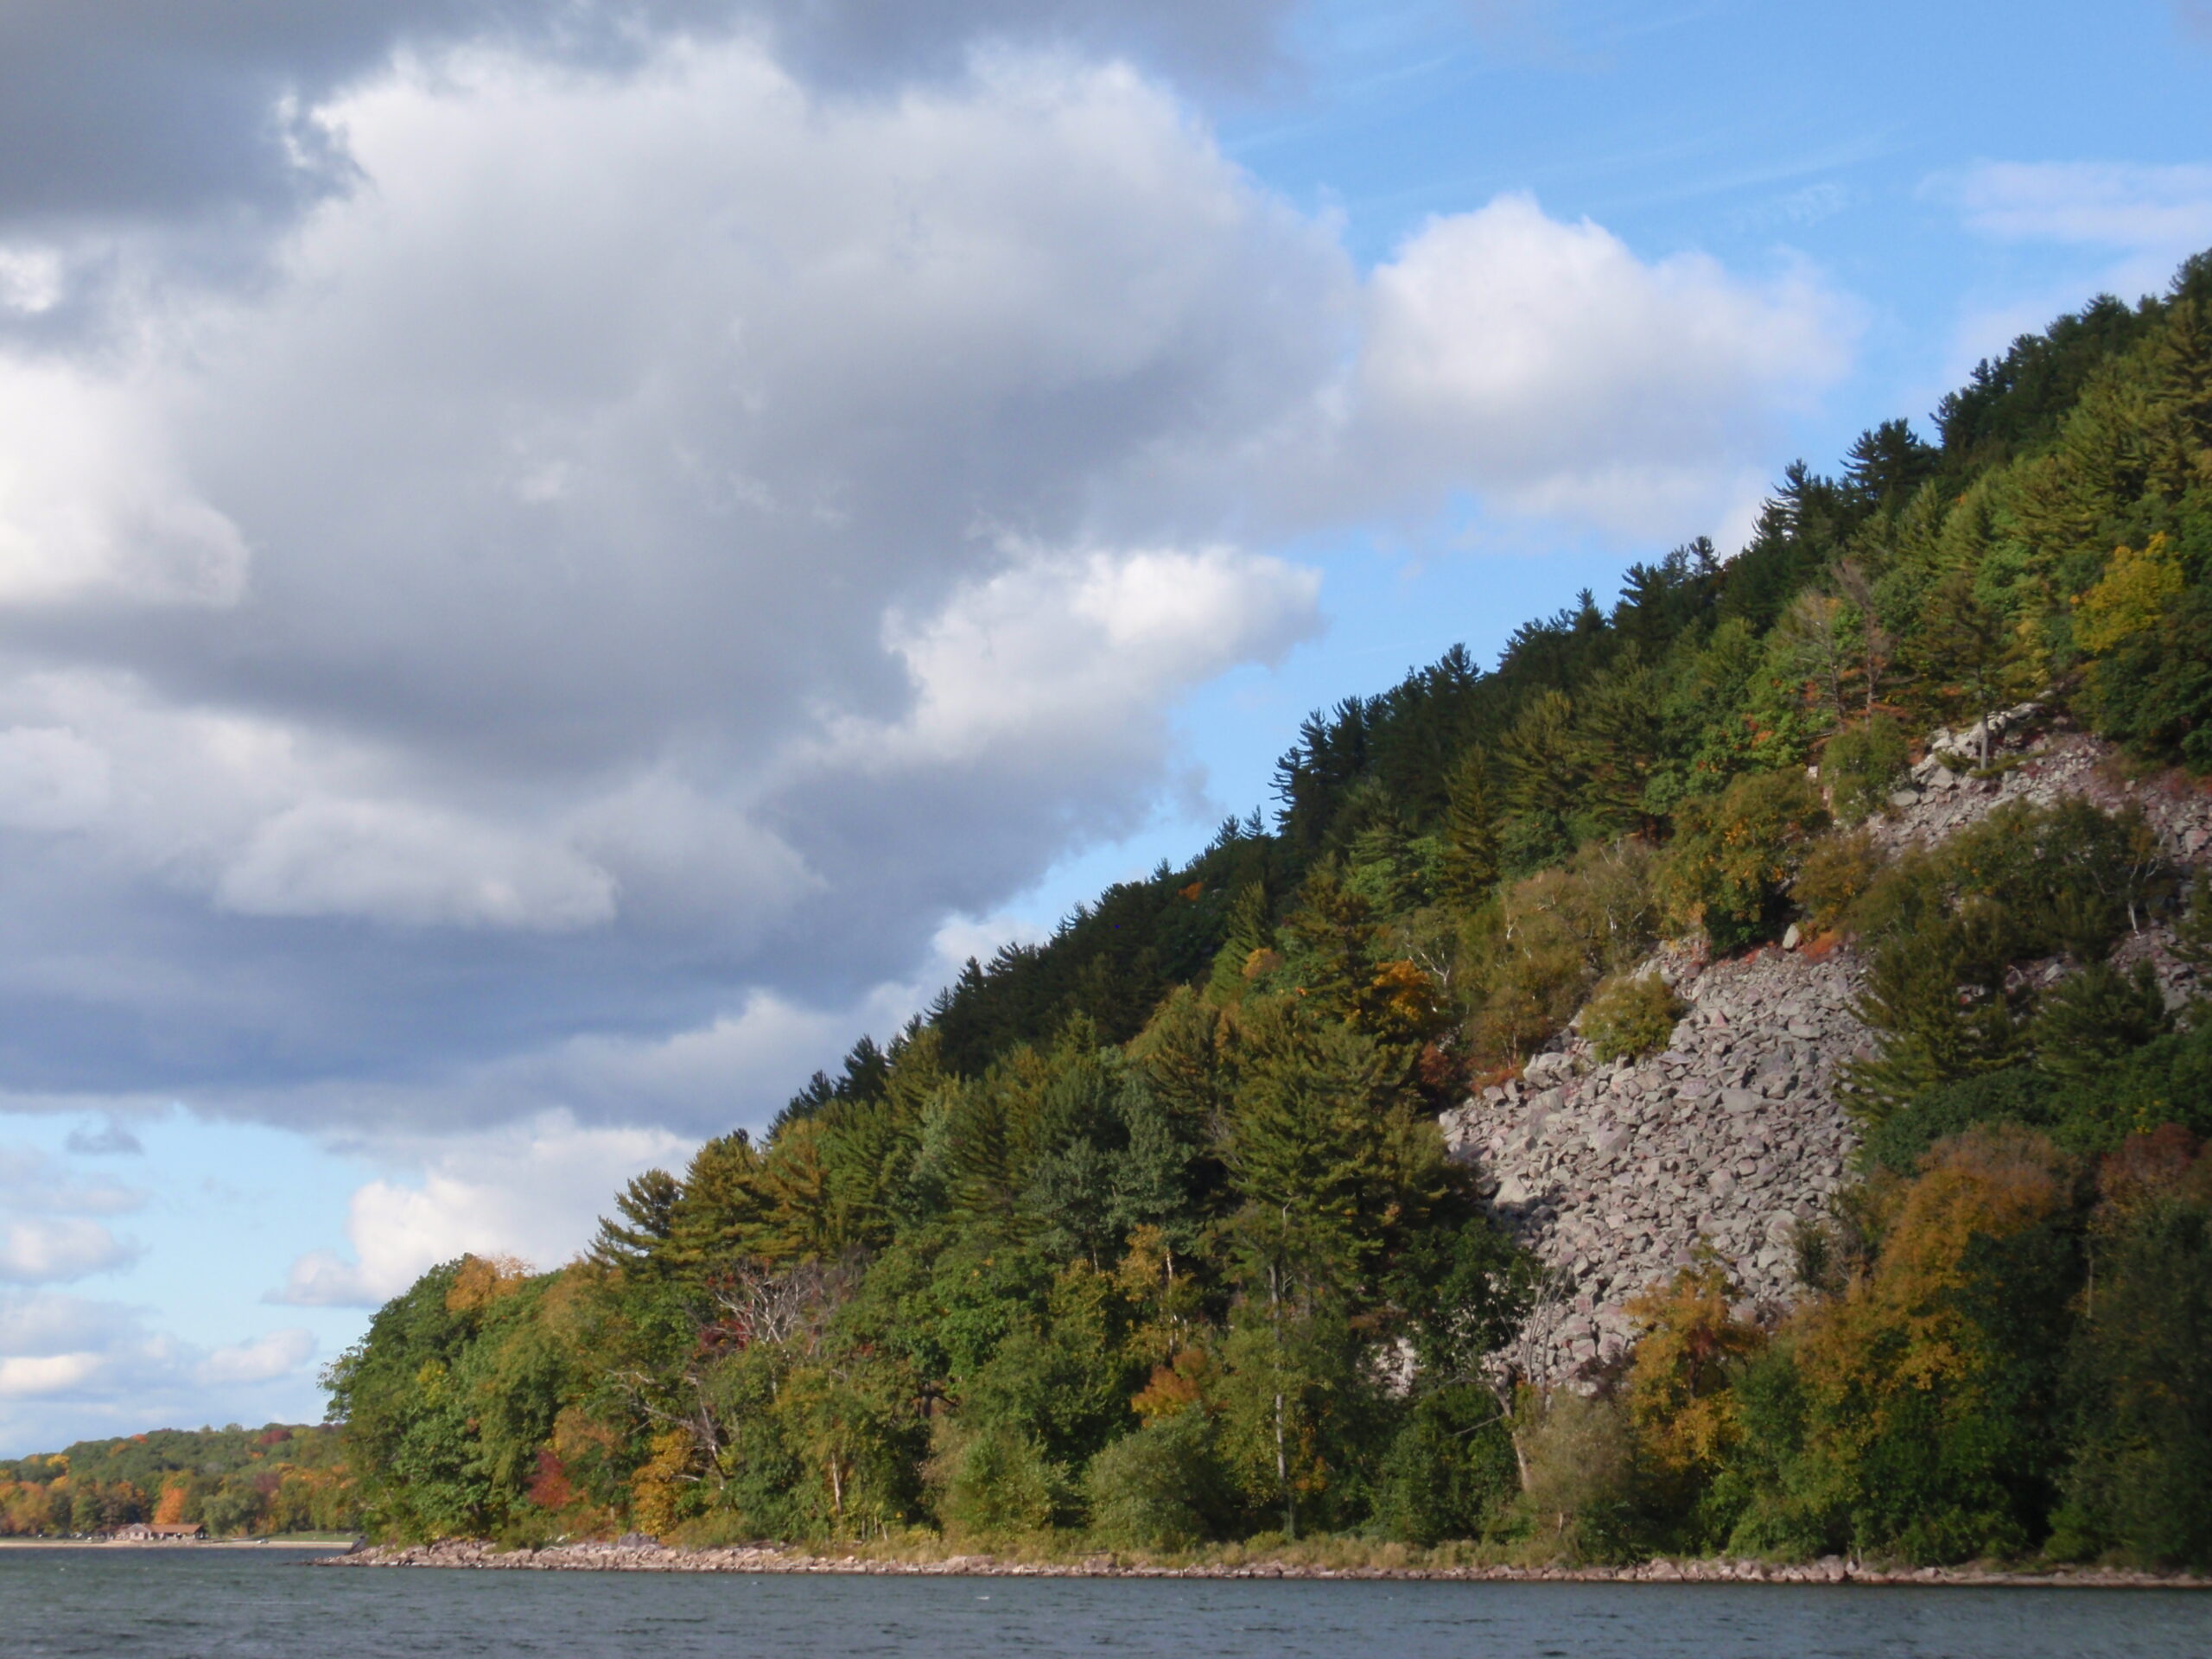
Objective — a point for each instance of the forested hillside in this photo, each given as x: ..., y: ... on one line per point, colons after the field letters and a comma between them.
x: 235, y: 1482
x: 1148, y: 1233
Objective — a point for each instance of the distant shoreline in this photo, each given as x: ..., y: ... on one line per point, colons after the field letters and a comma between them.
x: 327, y: 1545
x: 642, y: 1558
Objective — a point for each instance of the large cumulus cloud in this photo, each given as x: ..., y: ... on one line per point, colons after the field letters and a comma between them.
x: 664, y: 537
x: 650, y: 523
x: 1545, y: 365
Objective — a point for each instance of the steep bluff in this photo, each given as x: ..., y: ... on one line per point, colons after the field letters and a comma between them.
x: 1735, y: 1135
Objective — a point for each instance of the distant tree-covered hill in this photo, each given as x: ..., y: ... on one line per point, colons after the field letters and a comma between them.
x: 235, y: 1482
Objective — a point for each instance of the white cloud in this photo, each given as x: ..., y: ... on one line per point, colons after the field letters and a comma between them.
x: 48, y: 1250
x: 29, y: 1181
x: 93, y: 501
x: 406, y: 863
x: 50, y: 778
x: 279, y: 1354
x: 30, y: 1376
x: 2134, y: 224
x: 47, y: 1231
x: 1084, y: 648
x: 1544, y: 364
x: 30, y: 280
x: 2166, y: 210
x: 149, y: 112
x: 71, y: 1367
x: 531, y: 1191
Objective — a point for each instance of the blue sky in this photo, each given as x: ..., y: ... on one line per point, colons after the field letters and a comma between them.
x: 551, y: 578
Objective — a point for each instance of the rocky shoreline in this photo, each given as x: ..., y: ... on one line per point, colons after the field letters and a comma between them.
x: 473, y: 1554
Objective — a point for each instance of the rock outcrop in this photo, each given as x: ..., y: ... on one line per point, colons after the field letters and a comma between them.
x: 1734, y: 1137
x: 1731, y: 1138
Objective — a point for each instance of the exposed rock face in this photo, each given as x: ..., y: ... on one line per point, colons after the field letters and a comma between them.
x: 1612, y: 1176
x: 1734, y: 1136
x: 2037, y: 768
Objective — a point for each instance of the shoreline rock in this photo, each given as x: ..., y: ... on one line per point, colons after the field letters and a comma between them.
x: 475, y: 1555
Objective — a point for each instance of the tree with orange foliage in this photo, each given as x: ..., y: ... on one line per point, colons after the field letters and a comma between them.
x: 169, y: 1509
x: 1927, y: 1392
x: 1680, y: 1392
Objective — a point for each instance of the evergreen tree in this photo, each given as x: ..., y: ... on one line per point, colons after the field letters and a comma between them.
x: 1470, y: 862
x: 1248, y: 935
x: 648, y: 1203
x: 2095, y: 1017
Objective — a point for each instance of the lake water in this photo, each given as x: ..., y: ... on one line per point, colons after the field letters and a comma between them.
x: 230, y: 1604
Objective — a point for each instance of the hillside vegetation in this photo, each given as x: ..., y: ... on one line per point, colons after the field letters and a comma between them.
x: 1147, y: 1235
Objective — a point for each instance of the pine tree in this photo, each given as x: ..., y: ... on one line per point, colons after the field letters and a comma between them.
x: 648, y: 1203
x: 1248, y: 934
x: 2096, y: 1016
x: 1331, y: 934
x: 1543, y: 786
x: 1469, y: 834
x: 719, y: 1205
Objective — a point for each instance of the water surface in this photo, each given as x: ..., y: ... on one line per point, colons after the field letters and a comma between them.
x: 241, y: 1604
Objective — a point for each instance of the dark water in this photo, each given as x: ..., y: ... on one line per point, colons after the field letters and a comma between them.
x: 239, y: 1605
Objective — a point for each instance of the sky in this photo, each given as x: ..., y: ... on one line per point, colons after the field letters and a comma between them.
x: 559, y: 563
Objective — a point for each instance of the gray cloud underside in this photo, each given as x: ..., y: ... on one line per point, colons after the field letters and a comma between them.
x: 152, y: 108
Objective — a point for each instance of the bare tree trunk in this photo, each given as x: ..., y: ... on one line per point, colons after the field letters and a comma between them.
x: 1501, y: 1391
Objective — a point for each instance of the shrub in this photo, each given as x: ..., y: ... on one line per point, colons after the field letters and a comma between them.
x: 2075, y: 876
x: 1450, y: 1469
x: 996, y: 1482
x: 1734, y: 857
x: 2151, y: 686
x: 1862, y: 764
x: 1947, y: 926
x: 2166, y: 1080
x: 2096, y: 1016
x: 1580, y: 1498
x: 1533, y: 956
x: 1681, y: 1395
x: 1160, y: 1488
x: 1632, y: 1015
x: 2019, y: 1095
x: 1945, y: 1006
x: 1929, y: 1391
x: 1837, y: 872
x: 2142, y: 1480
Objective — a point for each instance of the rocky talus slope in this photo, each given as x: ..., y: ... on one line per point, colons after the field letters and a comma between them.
x: 1615, y: 1176
x: 1732, y: 1138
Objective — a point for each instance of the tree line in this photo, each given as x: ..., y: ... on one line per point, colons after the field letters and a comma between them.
x: 235, y: 1482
